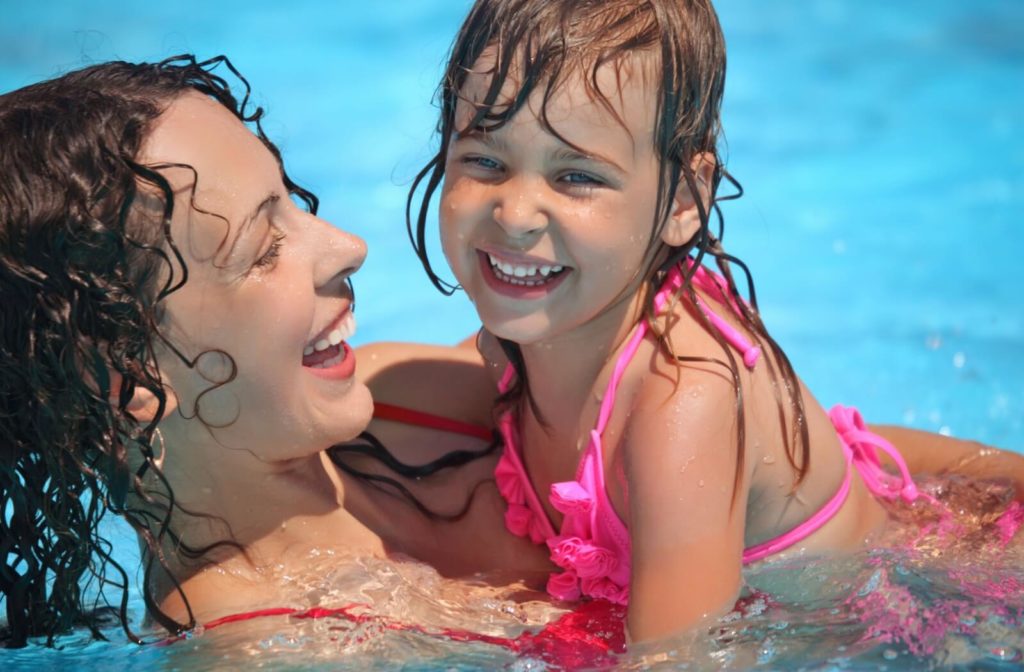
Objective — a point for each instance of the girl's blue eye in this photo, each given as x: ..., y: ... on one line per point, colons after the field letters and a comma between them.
x: 268, y: 258
x: 482, y: 162
x: 578, y: 179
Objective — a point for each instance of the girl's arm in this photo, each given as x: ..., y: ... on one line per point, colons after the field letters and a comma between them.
x: 927, y: 452
x: 687, y: 528
x: 451, y: 381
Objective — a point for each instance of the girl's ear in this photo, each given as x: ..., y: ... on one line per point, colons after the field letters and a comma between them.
x: 684, y: 220
x: 144, y: 404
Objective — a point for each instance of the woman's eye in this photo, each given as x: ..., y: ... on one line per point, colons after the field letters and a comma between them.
x: 268, y: 258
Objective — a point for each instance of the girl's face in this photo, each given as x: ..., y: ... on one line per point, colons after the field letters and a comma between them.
x: 266, y: 285
x: 548, y: 235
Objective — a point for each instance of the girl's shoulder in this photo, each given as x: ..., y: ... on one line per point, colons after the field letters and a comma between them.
x: 683, y: 411
x: 685, y: 402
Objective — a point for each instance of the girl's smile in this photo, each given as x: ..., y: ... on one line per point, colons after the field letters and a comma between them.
x: 521, y: 278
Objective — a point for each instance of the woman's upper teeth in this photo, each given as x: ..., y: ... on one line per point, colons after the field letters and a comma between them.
x: 342, y: 332
x: 523, y: 270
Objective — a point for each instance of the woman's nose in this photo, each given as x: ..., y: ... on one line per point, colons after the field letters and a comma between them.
x: 339, y: 254
x: 519, y: 208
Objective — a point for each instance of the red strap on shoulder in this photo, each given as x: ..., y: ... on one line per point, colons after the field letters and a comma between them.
x: 421, y: 419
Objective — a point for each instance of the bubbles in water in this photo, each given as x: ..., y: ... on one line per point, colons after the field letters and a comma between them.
x: 1006, y: 654
x: 890, y: 654
x: 767, y: 652
x: 527, y: 665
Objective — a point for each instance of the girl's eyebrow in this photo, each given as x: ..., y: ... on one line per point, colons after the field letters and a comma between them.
x: 563, y: 153
x: 493, y: 141
x: 571, y: 154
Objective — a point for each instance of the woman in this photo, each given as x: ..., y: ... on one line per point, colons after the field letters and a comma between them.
x: 174, y: 351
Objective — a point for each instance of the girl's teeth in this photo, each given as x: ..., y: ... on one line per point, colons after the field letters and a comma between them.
x: 322, y: 344
x: 513, y: 271
x: 335, y: 337
x: 307, y: 351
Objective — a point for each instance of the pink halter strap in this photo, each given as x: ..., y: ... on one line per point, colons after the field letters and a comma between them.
x: 716, y: 287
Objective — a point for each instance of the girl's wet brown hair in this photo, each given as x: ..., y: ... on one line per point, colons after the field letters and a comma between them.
x: 538, y: 45
x: 86, y: 261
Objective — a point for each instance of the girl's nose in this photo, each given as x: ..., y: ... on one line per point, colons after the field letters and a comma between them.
x: 519, y: 209
x: 339, y: 254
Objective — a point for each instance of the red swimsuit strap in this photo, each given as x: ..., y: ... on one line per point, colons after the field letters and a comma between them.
x: 409, y: 416
x: 584, y: 637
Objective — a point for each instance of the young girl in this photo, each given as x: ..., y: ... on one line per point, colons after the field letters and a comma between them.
x: 656, y: 438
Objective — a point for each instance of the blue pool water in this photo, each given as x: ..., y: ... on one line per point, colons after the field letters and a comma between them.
x: 881, y: 146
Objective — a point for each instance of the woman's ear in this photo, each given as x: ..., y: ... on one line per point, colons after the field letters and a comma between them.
x: 143, y: 405
x: 684, y: 220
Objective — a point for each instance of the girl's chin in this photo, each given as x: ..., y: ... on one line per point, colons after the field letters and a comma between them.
x: 525, y: 331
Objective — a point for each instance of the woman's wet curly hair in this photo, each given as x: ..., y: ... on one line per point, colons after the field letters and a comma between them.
x: 86, y: 261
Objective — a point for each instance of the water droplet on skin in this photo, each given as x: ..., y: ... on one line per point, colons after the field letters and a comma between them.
x: 689, y: 461
x: 700, y: 483
x: 768, y: 459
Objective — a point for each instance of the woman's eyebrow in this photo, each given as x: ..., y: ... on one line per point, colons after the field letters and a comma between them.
x: 247, y: 222
x: 268, y: 201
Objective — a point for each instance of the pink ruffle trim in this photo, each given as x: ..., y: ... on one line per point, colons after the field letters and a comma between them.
x: 588, y: 566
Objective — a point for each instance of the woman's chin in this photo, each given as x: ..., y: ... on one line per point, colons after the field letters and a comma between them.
x: 349, y: 419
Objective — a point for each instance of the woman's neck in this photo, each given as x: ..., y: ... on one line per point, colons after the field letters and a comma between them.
x: 263, y: 505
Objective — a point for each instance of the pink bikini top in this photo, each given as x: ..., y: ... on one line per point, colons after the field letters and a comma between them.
x: 592, y: 548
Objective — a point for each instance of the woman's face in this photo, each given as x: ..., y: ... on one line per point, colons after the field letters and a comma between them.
x: 266, y: 308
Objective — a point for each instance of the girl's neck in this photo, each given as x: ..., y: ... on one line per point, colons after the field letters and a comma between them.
x: 566, y: 371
